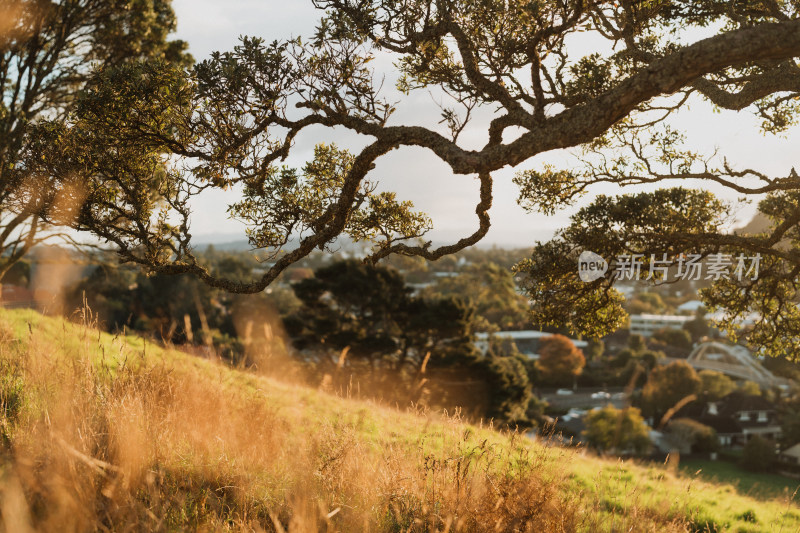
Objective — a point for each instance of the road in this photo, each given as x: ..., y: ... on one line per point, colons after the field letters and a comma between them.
x: 582, y: 398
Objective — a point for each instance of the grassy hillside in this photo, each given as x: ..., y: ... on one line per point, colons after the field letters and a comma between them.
x: 112, y: 433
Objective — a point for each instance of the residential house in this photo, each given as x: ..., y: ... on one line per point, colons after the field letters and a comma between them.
x: 791, y: 455
x: 736, y: 418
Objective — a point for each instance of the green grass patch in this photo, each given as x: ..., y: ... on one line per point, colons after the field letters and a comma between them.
x: 763, y: 486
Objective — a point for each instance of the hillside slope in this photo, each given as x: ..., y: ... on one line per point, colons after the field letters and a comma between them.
x: 113, y: 433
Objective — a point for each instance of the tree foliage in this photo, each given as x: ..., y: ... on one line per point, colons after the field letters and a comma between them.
x: 370, y: 312
x: 48, y: 50
x: 758, y: 454
x: 560, y: 361
x: 667, y: 386
x: 697, y: 437
x: 715, y: 385
x: 617, y: 430
x: 180, y: 309
x: 677, y: 338
x: 492, y: 291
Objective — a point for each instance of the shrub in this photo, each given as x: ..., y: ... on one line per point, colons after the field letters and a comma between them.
x: 699, y: 437
x: 758, y: 454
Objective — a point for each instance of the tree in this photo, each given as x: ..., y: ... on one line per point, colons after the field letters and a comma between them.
x: 789, y: 416
x: 636, y: 343
x: 715, y: 385
x: 370, y: 312
x: 650, y: 358
x: 492, y: 291
x: 233, y: 118
x: 750, y: 387
x: 48, y: 50
x: 509, y: 390
x: 617, y: 430
x: 698, y: 327
x: 692, y: 436
x: 678, y: 338
x: 667, y: 386
x: 352, y: 305
x: 646, y: 303
x: 560, y: 361
x: 594, y: 349
x: 124, y: 298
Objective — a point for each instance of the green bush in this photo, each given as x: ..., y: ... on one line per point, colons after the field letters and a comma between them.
x: 701, y: 438
x: 748, y: 516
x: 758, y: 454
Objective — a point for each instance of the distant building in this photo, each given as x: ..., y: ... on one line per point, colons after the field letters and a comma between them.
x: 646, y: 325
x: 526, y: 341
x: 691, y: 306
x: 736, y: 418
x: 791, y: 455
x: 15, y: 296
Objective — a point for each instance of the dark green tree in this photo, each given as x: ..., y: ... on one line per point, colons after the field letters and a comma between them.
x: 125, y: 298
x: 595, y: 349
x: 789, y: 416
x: 636, y: 343
x: 698, y: 327
x: 352, y: 305
x: 676, y: 338
x: 758, y: 454
x: 370, y: 312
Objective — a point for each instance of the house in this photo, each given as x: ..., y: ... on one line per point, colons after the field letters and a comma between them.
x: 791, y: 455
x: 15, y: 296
x: 736, y: 418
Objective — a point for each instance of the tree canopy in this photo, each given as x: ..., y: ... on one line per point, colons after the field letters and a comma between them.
x: 370, y: 313
x: 617, y: 430
x: 231, y: 121
x: 560, y: 361
x: 48, y: 50
x: 668, y: 387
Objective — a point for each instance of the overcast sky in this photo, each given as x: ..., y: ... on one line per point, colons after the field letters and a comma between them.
x: 416, y: 174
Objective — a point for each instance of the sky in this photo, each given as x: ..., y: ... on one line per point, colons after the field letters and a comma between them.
x: 416, y: 174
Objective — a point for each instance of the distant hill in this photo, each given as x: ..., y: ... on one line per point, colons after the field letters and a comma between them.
x: 759, y: 224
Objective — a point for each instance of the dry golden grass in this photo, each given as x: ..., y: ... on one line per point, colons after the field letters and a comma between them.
x: 135, y: 444
x: 112, y: 434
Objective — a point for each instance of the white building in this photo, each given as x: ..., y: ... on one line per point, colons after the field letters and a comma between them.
x: 691, y: 306
x: 646, y: 325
